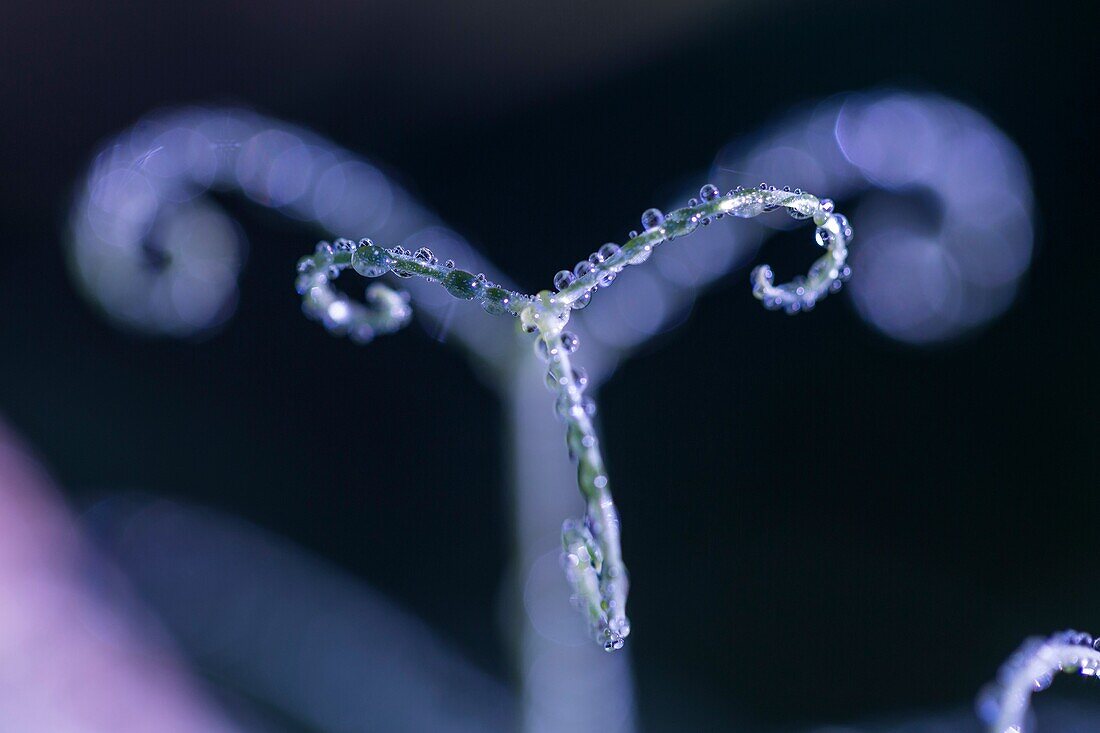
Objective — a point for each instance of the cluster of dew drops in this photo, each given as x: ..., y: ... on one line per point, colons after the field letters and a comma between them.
x: 654, y: 219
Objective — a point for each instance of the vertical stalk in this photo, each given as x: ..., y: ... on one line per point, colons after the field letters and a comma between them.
x: 567, y: 683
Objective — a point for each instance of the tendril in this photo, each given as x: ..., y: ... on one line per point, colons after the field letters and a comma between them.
x: 591, y: 551
x: 1004, y: 704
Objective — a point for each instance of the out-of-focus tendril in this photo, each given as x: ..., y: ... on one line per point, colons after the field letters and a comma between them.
x: 591, y: 551
x: 1004, y: 705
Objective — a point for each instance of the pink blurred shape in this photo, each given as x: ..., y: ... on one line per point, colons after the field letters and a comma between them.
x: 69, y: 661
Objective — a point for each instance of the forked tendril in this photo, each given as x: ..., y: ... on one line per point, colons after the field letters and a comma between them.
x: 1004, y: 704
x: 591, y: 552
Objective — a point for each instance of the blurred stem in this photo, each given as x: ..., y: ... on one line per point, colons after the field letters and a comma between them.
x: 575, y: 688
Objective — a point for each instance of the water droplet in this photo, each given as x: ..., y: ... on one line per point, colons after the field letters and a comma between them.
x: 632, y: 234
x: 563, y: 279
x: 582, y: 268
x: 580, y: 378
x: 569, y: 341
x: 652, y: 218
x: 827, y: 205
x: 426, y: 255
x: 609, y: 250
x: 463, y: 285
x: 709, y: 192
x: 582, y: 302
x: 370, y: 260
x: 495, y: 300
x: 343, y: 245
x: 761, y: 273
x: 553, y: 381
x: 306, y: 265
x: 693, y: 201
x: 595, y: 258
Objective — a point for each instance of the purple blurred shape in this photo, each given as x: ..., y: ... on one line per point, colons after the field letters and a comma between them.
x: 945, y: 224
x: 70, y: 661
x: 290, y: 630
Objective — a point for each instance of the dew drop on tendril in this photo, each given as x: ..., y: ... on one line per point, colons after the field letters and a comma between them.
x: 609, y: 250
x: 564, y: 279
x: 569, y: 341
x: 709, y: 192
x: 652, y: 218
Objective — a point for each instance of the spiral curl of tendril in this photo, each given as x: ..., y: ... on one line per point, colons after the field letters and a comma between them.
x: 1005, y: 704
x: 591, y: 551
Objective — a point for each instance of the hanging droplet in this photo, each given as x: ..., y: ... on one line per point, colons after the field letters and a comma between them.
x: 709, y: 192
x: 529, y: 319
x: 569, y: 341
x: 564, y: 279
x: 652, y: 218
x: 553, y: 381
x: 582, y: 302
x: 845, y: 227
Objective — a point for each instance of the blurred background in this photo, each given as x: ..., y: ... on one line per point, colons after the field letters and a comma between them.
x: 851, y: 517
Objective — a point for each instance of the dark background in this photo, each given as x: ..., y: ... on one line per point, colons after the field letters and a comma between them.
x: 821, y: 524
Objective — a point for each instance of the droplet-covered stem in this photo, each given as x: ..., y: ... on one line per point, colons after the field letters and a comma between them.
x: 592, y: 554
x: 743, y: 203
x: 1004, y: 704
